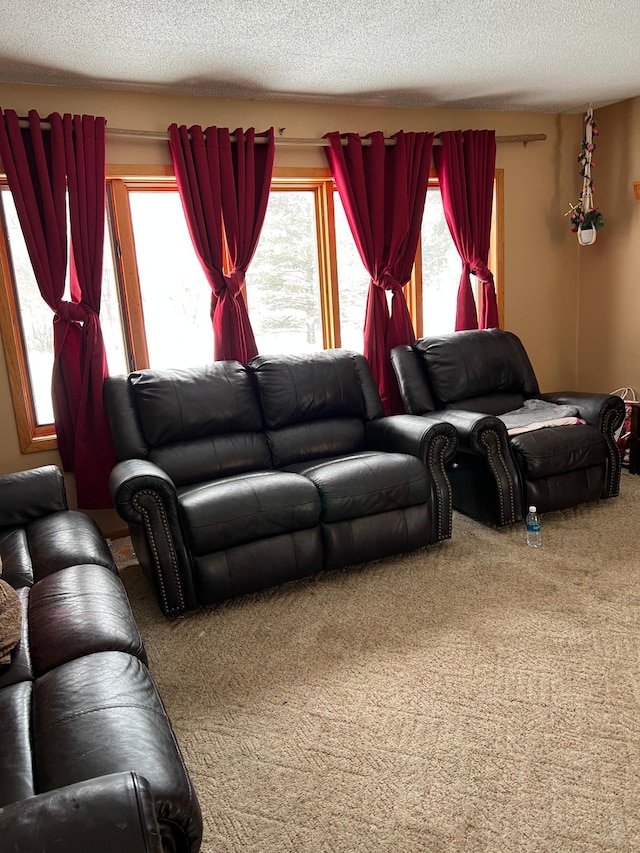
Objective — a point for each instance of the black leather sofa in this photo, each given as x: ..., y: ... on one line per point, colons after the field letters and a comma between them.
x: 469, y: 379
x: 233, y: 479
x: 88, y: 758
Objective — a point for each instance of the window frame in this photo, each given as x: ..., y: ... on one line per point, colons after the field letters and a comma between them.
x: 123, y: 179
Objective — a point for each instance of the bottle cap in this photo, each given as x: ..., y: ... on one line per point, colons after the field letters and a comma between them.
x: 532, y: 509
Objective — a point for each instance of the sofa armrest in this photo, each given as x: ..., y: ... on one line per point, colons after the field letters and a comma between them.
x: 486, y: 436
x: 472, y: 429
x: 133, y: 477
x: 412, y: 434
x: 27, y: 495
x: 431, y: 440
x: 103, y: 815
x: 146, y: 498
x: 606, y: 412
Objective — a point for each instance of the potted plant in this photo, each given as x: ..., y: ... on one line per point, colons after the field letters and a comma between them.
x: 586, y: 223
x: 586, y: 219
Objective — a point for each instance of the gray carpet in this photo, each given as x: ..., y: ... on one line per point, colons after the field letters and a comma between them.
x: 477, y: 695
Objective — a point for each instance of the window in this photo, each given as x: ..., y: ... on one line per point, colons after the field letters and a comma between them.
x: 27, y: 331
x: 283, y: 281
x: 441, y: 268
x: 353, y: 282
x: 174, y: 292
x: 306, y: 287
x: 35, y: 317
x: 440, y: 263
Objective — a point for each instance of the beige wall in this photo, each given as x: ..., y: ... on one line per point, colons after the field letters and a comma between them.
x: 541, y: 257
x: 609, y: 304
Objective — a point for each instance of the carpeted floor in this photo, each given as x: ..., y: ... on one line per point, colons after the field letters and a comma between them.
x: 478, y: 695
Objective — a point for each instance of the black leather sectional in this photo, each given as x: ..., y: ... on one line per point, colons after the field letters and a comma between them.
x: 88, y: 758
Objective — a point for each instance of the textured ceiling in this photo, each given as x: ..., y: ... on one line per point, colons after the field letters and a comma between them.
x: 549, y: 56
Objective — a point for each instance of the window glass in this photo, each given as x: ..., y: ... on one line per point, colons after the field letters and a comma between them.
x: 166, y: 299
x: 441, y: 269
x: 283, y: 281
x: 36, y: 318
x: 353, y: 282
x: 110, y: 315
x: 176, y: 297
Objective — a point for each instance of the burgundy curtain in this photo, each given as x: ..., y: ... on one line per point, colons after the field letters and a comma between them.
x: 224, y: 185
x: 39, y: 165
x: 465, y: 163
x: 383, y: 190
x: 94, y: 456
x: 245, y: 171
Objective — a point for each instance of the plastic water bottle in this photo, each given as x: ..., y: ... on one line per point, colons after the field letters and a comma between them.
x: 534, y: 536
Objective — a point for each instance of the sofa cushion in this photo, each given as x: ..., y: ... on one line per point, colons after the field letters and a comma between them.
x: 26, y: 495
x: 240, y: 509
x: 470, y: 364
x: 50, y: 543
x: 558, y: 450
x: 315, y: 440
x: 298, y: 388
x: 10, y: 622
x: 101, y: 714
x: 366, y: 483
x: 213, y: 456
x: 16, y: 559
x: 178, y: 405
x: 78, y: 611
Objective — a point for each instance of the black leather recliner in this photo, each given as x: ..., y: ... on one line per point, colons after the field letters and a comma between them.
x: 88, y: 758
x: 469, y: 379
x: 233, y: 479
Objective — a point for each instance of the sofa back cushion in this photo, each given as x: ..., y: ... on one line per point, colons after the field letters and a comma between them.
x: 211, y: 457
x: 315, y: 440
x: 178, y: 405
x: 27, y: 495
x: 294, y: 389
x: 200, y: 423
x: 475, y: 363
x: 313, y: 404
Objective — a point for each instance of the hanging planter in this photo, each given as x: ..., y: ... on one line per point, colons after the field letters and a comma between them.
x: 586, y: 234
x: 586, y: 219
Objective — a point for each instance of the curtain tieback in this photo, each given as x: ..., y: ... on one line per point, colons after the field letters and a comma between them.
x: 232, y: 281
x: 387, y: 282
x: 481, y: 271
x: 73, y: 312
